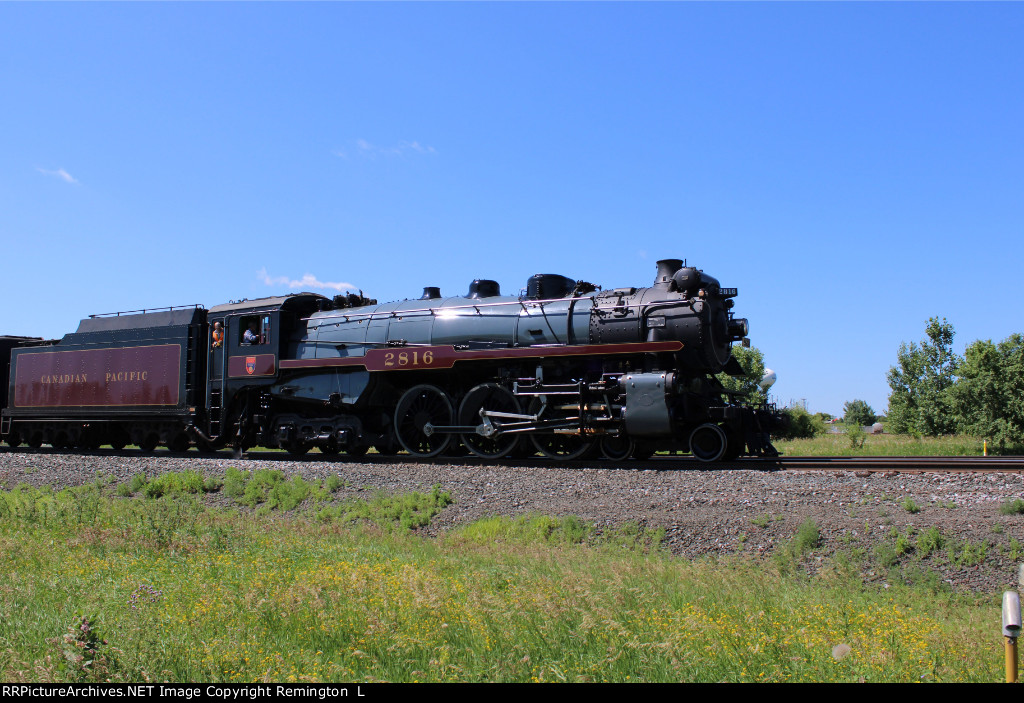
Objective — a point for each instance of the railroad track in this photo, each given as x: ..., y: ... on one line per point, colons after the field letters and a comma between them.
x: 867, y: 464
x: 904, y: 464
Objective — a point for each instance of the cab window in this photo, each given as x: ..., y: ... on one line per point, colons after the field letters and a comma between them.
x: 254, y: 330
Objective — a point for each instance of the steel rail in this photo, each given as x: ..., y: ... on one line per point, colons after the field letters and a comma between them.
x: 916, y: 464
x: 861, y: 464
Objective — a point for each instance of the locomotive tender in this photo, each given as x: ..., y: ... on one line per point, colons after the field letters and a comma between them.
x: 562, y: 369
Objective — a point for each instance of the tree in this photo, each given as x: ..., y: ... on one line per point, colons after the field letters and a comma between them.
x: 801, y: 424
x: 921, y: 383
x: 988, y: 398
x: 752, y: 361
x: 858, y: 412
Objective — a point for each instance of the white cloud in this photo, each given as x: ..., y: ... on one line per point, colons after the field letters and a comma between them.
x: 400, y: 149
x: 59, y: 173
x: 307, y: 282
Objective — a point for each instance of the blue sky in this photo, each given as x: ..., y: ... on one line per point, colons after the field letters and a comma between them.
x: 852, y: 169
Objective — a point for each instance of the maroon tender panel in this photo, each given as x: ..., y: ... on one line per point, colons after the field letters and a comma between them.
x: 98, y: 377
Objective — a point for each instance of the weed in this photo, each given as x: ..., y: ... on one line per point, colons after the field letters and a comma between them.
x: 929, y: 541
x: 333, y: 483
x: 904, y: 544
x: 916, y: 575
x: 910, y: 506
x: 212, y: 484
x: 761, y: 521
x: 137, y: 483
x: 405, y: 512
x: 997, y: 528
x: 287, y: 495
x: 807, y: 537
x: 970, y: 553
x: 144, y: 595
x: 85, y: 656
x: 234, y: 482
x: 162, y: 520
x: 886, y: 555
x: 174, y: 483
x: 1012, y: 507
x: 259, y: 485
x: 856, y: 435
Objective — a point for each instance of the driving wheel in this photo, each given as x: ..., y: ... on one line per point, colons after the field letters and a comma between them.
x: 492, y: 397
x: 420, y: 407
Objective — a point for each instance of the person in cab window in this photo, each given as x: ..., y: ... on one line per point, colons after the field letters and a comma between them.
x: 217, y: 334
x: 251, y: 335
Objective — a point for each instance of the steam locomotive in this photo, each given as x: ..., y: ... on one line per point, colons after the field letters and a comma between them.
x: 564, y: 369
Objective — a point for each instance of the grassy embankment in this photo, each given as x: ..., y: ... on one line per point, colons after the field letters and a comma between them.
x: 884, y: 445
x: 171, y: 588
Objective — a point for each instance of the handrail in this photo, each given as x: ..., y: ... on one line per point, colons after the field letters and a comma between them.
x: 444, y: 308
x: 195, y: 306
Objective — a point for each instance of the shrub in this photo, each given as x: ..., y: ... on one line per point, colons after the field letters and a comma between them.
x: 234, y: 482
x: 856, y: 434
x: 801, y: 424
x: 332, y: 483
x: 174, y: 483
x: 405, y: 512
x: 137, y: 483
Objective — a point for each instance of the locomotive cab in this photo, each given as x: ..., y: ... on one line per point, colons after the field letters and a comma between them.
x: 245, y: 357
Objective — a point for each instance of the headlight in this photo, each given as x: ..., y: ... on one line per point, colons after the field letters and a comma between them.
x: 739, y: 328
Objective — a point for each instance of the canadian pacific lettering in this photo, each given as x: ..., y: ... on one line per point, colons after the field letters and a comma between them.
x: 65, y: 378
x: 127, y: 376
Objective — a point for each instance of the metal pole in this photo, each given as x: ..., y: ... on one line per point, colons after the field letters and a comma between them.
x: 1011, y: 629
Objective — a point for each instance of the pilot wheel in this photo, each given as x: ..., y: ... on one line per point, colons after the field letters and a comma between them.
x: 708, y: 442
x: 617, y: 448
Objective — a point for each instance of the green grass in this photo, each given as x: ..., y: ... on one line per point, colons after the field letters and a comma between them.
x: 910, y: 506
x: 882, y: 445
x: 1012, y: 507
x: 169, y: 588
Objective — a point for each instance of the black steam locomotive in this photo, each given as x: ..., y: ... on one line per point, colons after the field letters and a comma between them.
x: 564, y: 369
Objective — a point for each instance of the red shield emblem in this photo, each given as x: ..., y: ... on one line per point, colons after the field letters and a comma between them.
x: 250, y: 365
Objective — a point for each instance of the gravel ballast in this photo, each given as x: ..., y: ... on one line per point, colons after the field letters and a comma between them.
x: 703, y: 512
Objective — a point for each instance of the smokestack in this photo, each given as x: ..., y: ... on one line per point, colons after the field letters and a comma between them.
x: 666, y: 269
